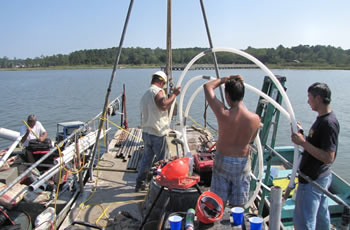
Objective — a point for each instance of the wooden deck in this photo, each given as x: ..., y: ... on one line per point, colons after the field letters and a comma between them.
x: 112, y: 190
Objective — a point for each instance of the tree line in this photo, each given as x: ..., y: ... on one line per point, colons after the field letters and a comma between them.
x: 298, y: 56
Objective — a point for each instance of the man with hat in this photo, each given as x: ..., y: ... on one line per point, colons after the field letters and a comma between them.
x: 31, y: 131
x: 155, y: 125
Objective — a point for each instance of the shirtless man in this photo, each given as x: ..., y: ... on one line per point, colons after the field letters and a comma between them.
x: 237, y: 128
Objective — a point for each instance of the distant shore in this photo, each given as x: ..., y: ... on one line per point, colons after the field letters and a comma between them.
x: 157, y: 66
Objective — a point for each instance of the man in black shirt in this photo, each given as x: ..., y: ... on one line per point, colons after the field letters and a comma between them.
x: 320, y: 149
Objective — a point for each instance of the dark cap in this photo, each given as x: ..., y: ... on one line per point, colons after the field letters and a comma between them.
x: 31, y: 118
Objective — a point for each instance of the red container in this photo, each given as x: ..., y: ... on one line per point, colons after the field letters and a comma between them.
x: 203, y: 162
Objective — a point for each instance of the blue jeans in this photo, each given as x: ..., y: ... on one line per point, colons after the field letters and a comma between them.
x: 154, y: 146
x: 311, y: 206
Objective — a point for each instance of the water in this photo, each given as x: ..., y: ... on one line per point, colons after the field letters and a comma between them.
x: 64, y: 95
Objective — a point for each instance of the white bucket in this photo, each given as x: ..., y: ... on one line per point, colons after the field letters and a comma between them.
x: 45, y: 220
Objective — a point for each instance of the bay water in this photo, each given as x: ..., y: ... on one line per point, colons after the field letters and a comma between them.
x: 65, y: 95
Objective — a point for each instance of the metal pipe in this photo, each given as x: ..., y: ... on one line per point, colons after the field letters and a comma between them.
x: 68, y: 156
x: 92, y: 159
x: 132, y: 144
x: 345, y: 219
x: 211, y: 46
x: 85, y: 143
x: 169, y: 58
x: 114, y: 170
x: 275, y: 208
x: 128, y: 144
x: 135, y: 144
x: 44, y: 177
x: 124, y: 146
x: 80, y: 174
x: 44, y: 157
x: 41, y: 165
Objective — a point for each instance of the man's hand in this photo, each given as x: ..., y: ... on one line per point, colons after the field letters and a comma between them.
x: 227, y: 78
x: 177, y: 90
x: 2, y: 152
x: 298, y: 138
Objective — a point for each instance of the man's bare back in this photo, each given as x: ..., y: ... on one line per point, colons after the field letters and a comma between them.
x: 237, y: 126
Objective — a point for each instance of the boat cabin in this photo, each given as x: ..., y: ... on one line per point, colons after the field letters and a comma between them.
x: 64, y: 129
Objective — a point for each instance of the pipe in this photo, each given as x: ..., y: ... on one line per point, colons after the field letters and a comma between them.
x: 189, y: 104
x: 109, y: 89
x: 44, y: 177
x: 289, y: 114
x: 285, y: 98
x: 345, y: 222
x: 84, y: 143
x: 68, y: 154
x: 211, y: 46
x: 10, y: 150
x: 184, y: 134
x: 330, y: 195
x: 181, y: 79
x: 115, y: 170
x: 275, y: 208
x: 9, y: 134
x: 44, y: 157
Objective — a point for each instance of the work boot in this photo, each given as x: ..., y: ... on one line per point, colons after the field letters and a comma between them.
x: 140, y: 187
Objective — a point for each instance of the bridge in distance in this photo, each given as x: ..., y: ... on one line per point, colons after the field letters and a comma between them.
x: 211, y: 66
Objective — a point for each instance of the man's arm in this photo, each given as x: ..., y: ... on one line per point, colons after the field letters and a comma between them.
x: 164, y: 103
x: 43, y: 137
x: 216, y: 105
x: 25, y: 136
x: 325, y: 156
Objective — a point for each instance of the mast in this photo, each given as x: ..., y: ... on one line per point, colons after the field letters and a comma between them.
x: 169, y: 59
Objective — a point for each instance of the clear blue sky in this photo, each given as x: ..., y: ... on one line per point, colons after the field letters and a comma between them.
x: 44, y: 27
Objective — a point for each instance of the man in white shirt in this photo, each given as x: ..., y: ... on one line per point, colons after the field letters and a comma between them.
x: 34, y: 130
x: 154, y: 107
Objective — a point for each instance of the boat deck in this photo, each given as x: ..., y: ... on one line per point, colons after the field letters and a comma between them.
x: 112, y: 190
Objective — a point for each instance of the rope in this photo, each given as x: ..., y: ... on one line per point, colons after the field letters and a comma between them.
x: 199, y: 125
x: 124, y: 130
x: 30, y: 129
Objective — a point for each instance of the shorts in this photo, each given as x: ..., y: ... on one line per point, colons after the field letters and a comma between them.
x: 231, y: 179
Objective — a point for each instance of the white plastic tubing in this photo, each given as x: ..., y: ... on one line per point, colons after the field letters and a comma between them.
x: 10, y: 150
x: 12, y: 136
x: 290, y: 112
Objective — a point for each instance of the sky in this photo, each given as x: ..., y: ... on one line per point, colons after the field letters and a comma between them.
x: 31, y: 29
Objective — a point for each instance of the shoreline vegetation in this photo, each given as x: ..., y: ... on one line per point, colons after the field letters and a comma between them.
x: 298, y: 57
x: 158, y: 66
